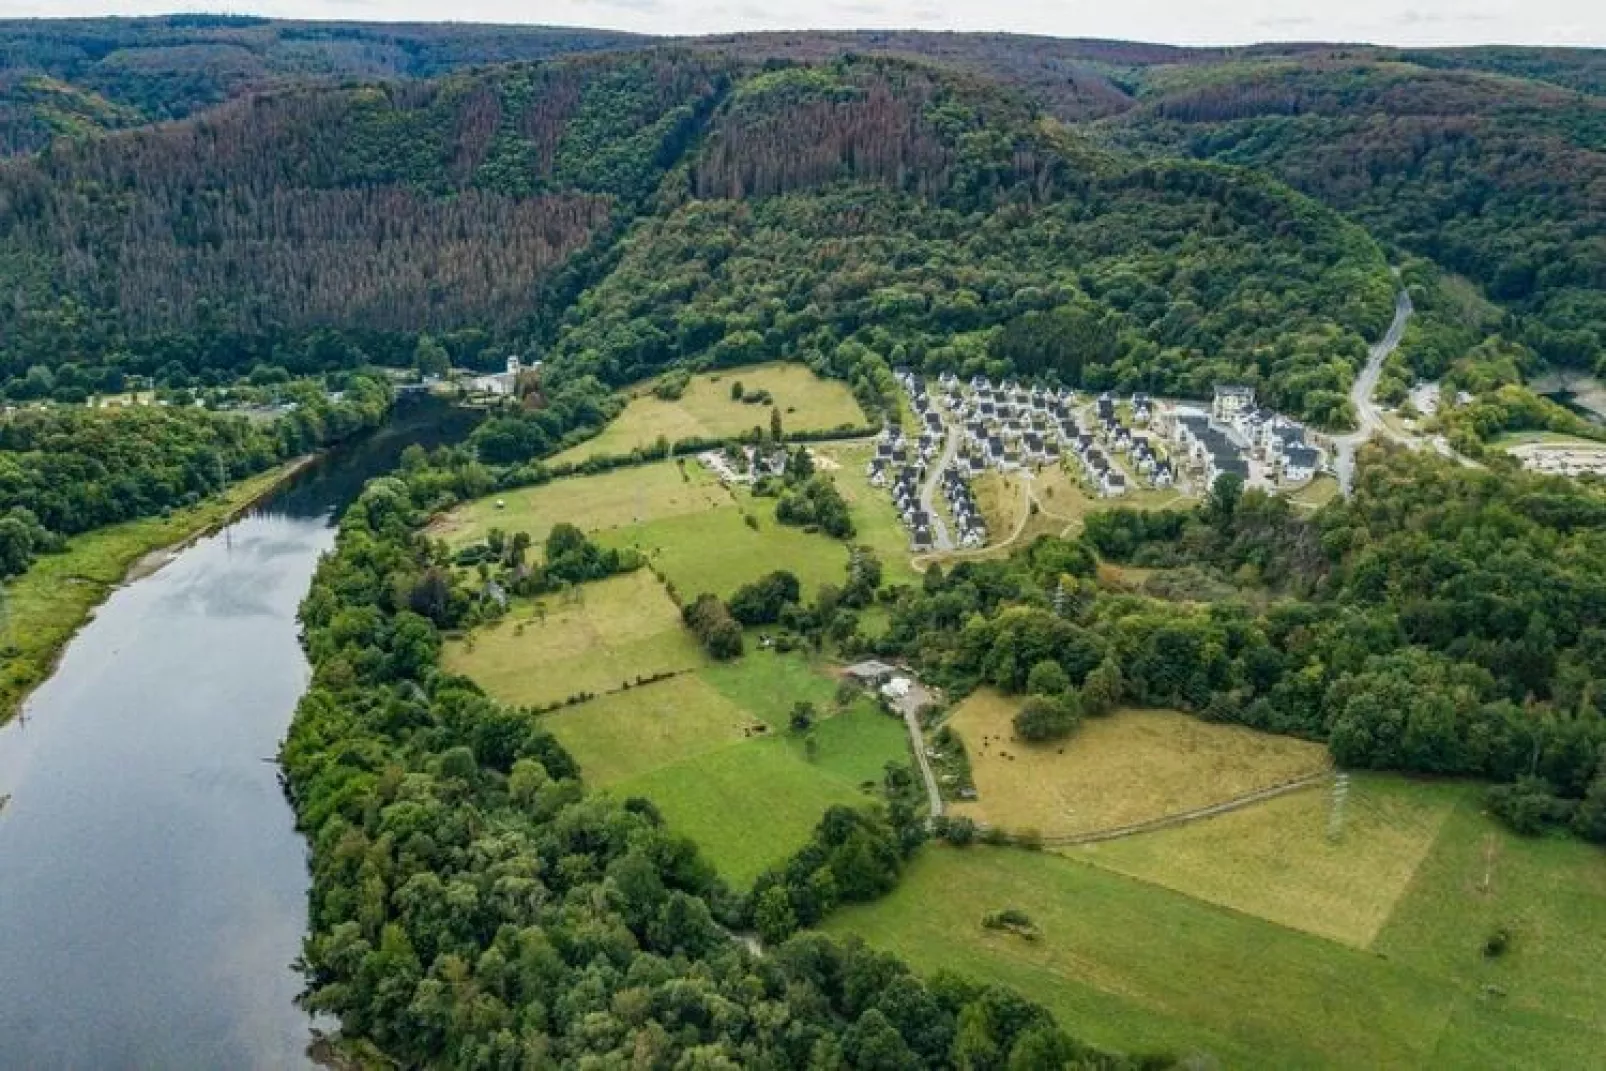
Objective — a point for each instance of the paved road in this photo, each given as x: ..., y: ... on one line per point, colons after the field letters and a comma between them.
x: 940, y: 540
x: 1361, y: 396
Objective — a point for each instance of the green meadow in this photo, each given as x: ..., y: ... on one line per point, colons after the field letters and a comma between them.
x: 1178, y: 961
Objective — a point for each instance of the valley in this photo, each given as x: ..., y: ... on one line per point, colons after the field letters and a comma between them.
x: 832, y: 550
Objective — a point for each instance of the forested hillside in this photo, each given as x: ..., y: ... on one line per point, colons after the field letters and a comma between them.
x: 924, y: 217
x: 1499, y: 179
x: 73, y: 76
x: 1487, y: 161
x: 380, y: 212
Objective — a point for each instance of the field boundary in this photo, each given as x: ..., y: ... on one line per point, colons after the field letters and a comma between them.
x: 1259, y: 795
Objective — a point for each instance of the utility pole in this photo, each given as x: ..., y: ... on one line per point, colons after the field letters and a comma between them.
x: 1335, y: 816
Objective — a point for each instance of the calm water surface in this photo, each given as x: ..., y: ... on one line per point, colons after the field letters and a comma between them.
x: 152, y: 884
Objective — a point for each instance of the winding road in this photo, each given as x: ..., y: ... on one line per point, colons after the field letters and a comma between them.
x: 1362, y: 394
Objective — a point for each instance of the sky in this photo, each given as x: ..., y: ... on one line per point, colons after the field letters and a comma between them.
x: 1389, y: 22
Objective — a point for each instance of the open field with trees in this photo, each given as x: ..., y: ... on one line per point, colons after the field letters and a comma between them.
x: 722, y: 549
x: 1130, y: 964
x: 1127, y: 767
x: 596, y: 638
x: 750, y: 806
x: 629, y: 496
x: 704, y: 406
x: 716, y: 753
x: 875, y: 521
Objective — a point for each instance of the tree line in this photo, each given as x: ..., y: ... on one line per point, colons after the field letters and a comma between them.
x: 67, y: 470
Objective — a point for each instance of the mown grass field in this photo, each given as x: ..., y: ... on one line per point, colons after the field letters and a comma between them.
x: 611, y: 633
x: 46, y: 605
x: 623, y: 497
x: 748, y: 798
x: 1132, y: 766
x: 1317, y: 493
x: 707, y: 411
x: 1274, y: 860
x: 1135, y: 966
x: 717, y: 551
x: 630, y: 733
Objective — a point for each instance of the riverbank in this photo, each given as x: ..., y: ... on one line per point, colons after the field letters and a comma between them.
x: 46, y: 606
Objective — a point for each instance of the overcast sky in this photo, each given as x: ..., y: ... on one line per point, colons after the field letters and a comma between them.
x: 1403, y: 22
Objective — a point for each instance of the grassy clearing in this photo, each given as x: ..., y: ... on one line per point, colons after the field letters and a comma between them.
x: 45, y: 606
x: 769, y: 685
x: 1274, y: 859
x: 631, y: 733
x: 1317, y: 493
x: 715, y: 550
x: 748, y: 807
x: 1142, y: 969
x: 999, y: 498
x: 1132, y: 766
x: 1547, y: 1008
x: 612, y: 500
x: 617, y: 630
x: 707, y: 411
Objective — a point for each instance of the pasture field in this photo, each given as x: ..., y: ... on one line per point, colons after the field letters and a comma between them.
x: 712, y: 747
x: 748, y: 807
x: 613, y: 632
x: 1132, y: 766
x: 630, y: 733
x: 707, y: 411
x: 1274, y: 859
x: 749, y: 800
x: 1142, y: 969
x: 716, y: 550
x: 620, y: 498
x: 1139, y: 967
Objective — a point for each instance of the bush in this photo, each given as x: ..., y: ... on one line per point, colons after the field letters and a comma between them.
x: 1013, y: 920
x: 1043, y: 718
x: 1530, y: 806
x: 718, y: 631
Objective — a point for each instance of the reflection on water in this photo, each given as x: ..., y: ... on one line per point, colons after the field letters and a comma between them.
x: 152, y: 885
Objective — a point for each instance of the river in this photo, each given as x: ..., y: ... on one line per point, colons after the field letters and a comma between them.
x: 152, y: 884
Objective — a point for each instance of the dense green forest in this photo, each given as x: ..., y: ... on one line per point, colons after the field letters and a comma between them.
x: 68, y: 470
x: 473, y: 905
x: 1491, y: 177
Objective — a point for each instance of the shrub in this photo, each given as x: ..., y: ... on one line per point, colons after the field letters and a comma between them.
x: 1043, y: 718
